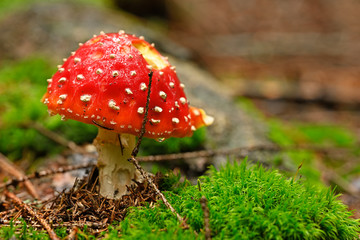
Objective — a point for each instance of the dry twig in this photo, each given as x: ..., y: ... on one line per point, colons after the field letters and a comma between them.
x: 10, y: 168
x: 141, y: 170
x: 45, y: 173
x: 158, y: 192
x: 205, y: 208
x: 29, y: 210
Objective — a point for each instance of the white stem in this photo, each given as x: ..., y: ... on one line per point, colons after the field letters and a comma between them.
x: 115, y: 171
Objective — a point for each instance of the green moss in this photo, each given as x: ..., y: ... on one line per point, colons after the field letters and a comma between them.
x: 22, y: 85
x: 246, y: 203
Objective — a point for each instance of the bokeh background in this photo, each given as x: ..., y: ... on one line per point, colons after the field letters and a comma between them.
x: 271, y: 72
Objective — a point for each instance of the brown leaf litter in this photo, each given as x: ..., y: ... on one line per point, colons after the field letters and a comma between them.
x: 81, y: 205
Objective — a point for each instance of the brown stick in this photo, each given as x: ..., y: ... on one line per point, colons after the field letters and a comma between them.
x: 158, y: 192
x: 53, y: 136
x: 10, y: 168
x: 240, y: 151
x: 72, y: 235
x: 142, y: 131
x: 140, y: 169
x: 205, y: 208
x: 29, y: 210
x: 45, y: 173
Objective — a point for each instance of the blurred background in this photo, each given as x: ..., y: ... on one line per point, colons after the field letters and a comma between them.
x: 271, y: 72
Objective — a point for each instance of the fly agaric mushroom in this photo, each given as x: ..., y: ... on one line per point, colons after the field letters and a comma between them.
x: 105, y: 83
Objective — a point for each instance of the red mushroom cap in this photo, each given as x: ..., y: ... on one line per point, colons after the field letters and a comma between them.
x: 105, y: 83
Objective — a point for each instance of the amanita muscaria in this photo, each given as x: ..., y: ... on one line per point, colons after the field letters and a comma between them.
x: 105, y: 83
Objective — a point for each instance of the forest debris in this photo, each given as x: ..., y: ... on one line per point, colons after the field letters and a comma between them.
x: 205, y: 208
x: 30, y: 211
x: 158, y: 192
x: 45, y: 173
x: 10, y: 168
x: 82, y: 205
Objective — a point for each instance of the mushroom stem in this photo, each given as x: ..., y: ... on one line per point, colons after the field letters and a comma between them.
x: 115, y: 172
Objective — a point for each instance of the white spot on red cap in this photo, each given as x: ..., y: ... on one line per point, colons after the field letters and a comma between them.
x: 80, y: 77
x: 49, y: 80
x: 158, y: 109
x: 133, y: 73
x: 99, y: 71
x: 112, y: 105
x: 141, y: 110
x: 162, y: 95
x: 61, y: 70
x: 182, y: 100
x: 85, y: 97
x: 175, y: 120
x: 149, y: 67
x: 155, y: 121
x: 112, y: 55
x: 143, y: 86
x: 196, y: 112
x: 76, y: 60
x: 63, y: 79
x: 115, y: 73
x: 113, y: 122
x: 177, y: 104
x: 161, y: 73
x: 182, y: 85
x: 63, y: 96
x: 171, y: 84
x: 128, y: 91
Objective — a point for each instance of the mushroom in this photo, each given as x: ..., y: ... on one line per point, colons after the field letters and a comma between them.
x: 105, y: 83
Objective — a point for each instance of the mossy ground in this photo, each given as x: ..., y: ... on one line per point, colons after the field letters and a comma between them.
x: 245, y: 202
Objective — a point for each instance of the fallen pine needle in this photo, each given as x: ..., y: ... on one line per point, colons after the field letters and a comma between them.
x: 30, y: 211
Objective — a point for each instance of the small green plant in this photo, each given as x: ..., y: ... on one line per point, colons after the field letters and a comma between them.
x: 23, y: 232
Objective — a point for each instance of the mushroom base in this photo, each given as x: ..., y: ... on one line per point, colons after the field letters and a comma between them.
x: 115, y: 171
